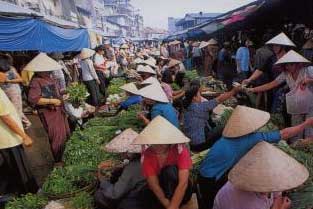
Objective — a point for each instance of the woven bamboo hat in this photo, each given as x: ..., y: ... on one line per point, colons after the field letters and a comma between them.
x: 174, y: 43
x: 281, y: 39
x: 245, y: 120
x: 86, y: 53
x: 154, y: 92
x: 123, y: 143
x: 266, y: 168
x: 150, y: 62
x: 42, y: 63
x: 124, y: 46
x: 292, y: 57
x: 203, y: 44
x: 173, y: 62
x: 308, y: 44
x: 150, y: 80
x: 145, y: 69
x: 130, y: 87
x: 138, y: 60
x: 161, y: 131
x: 212, y: 41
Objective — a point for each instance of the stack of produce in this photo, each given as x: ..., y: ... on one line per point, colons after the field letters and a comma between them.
x: 115, y: 84
x: 191, y: 75
x: 28, y: 201
x: 77, y: 93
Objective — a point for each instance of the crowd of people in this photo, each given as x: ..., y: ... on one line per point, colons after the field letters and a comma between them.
x: 241, y: 170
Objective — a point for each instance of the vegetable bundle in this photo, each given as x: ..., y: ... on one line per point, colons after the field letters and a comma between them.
x: 115, y: 84
x: 77, y: 93
x: 28, y: 201
x: 191, y: 75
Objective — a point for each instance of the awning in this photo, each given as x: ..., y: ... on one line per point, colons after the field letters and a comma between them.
x: 29, y: 34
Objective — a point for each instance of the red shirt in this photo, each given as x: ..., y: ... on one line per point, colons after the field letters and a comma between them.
x: 151, y: 165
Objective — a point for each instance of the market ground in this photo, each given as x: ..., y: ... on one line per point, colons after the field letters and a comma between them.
x: 40, y: 157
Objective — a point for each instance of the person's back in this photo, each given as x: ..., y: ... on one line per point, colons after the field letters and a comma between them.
x: 167, y: 111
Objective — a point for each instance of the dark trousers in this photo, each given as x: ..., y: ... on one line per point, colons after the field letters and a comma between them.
x: 93, y: 90
x: 208, y: 189
x: 211, y: 138
x: 103, y: 82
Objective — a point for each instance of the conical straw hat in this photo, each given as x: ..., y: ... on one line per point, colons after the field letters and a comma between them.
x: 130, y: 87
x: 86, y: 53
x: 42, y: 63
x: 266, y: 168
x: 161, y: 131
x: 308, y: 44
x: 292, y: 57
x: 124, y: 46
x: 174, y: 43
x: 281, y: 39
x: 212, y: 41
x: 173, y: 62
x: 154, y: 92
x: 245, y: 120
x: 150, y: 80
x: 203, y: 44
x: 138, y: 61
x: 145, y: 69
x: 150, y: 62
x: 123, y: 143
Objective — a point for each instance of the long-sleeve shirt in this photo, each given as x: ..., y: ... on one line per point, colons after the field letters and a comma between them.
x: 88, y: 70
x: 131, y: 180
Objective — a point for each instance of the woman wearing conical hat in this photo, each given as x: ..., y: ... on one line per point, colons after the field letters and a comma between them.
x: 158, y: 104
x: 298, y: 77
x: 258, y: 179
x: 44, y: 94
x: 131, y: 92
x: 240, y: 134
x: 127, y: 191
x: 166, y: 163
x: 280, y: 45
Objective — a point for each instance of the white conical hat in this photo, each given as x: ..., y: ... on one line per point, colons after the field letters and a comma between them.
x: 174, y: 43
x: 130, y: 87
x: 203, y: 44
x: 212, y: 41
x: 124, y: 46
x: 86, y: 53
x: 173, y: 62
x: 265, y: 168
x: 138, y: 61
x: 281, y: 39
x: 161, y: 131
x: 150, y: 80
x: 123, y: 143
x: 154, y: 92
x: 150, y: 62
x: 145, y: 69
x: 292, y: 57
x: 245, y: 120
x: 42, y: 63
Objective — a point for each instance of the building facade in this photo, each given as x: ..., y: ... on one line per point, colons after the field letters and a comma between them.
x: 112, y: 18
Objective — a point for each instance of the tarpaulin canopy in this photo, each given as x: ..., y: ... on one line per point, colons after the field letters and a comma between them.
x: 27, y: 34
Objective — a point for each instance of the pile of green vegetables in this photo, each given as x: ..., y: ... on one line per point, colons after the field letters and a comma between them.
x: 115, y: 84
x: 175, y: 86
x: 28, y: 201
x: 191, y: 75
x: 82, y: 201
x: 77, y: 93
x: 68, y: 179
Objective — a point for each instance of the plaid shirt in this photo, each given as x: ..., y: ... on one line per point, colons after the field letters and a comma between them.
x: 196, y: 119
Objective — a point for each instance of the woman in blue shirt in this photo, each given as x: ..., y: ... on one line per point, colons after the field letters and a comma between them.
x: 239, y: 136
x: 197, y: 116
x: 156, y: 99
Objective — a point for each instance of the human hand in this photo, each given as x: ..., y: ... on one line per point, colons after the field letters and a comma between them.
x: 141, y: 116
x: 309, y: 121
x: 286, y: 203
x: 55, y: 102
x: 98, y: 81
x: 3, y: 77
x: 246, y: 82
x: 27, y: 141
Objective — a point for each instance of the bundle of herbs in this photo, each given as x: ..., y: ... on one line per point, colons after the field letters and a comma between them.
x: 77, y: 93
x: 28, y: 201
x: 115, y: 84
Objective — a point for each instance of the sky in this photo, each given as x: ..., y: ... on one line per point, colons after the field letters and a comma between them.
x: 156, y: 12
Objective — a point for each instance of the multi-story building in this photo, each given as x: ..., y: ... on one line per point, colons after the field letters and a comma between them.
x: 189, y: 21
x: 113, y: 18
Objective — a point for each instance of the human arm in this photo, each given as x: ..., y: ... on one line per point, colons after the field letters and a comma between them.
x: 154, y: 185
x: 227, y: 95
x: 18, y: 78
x: 178, y: 94
x: 295, y: 130
x: 142, y: 117
x: 45, y: 101
x: 256, y: 74
x: 93, y: 71
x: 183, y: 176
x: 281, y: 203
x: 8, y: 121
x: 265, y: 87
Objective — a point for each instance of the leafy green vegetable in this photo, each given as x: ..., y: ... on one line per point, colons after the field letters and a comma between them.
x: 28, y: 201
x: 175, y: 86
x: 67, y: 179
x: 77, y: 93
x: 115, y: 84
x: 191, y: 75
x: 82, y: 201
